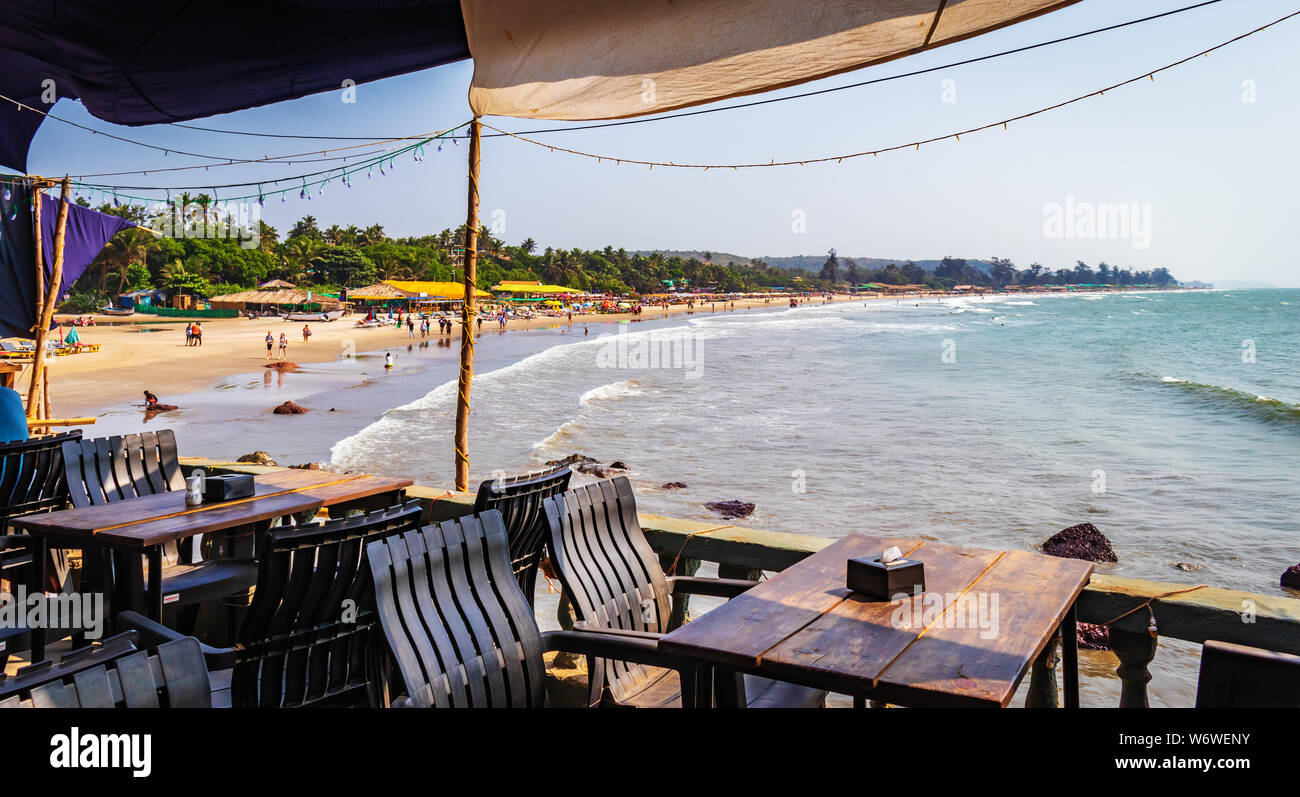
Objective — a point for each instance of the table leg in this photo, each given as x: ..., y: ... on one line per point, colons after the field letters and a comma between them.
x: 153, y: 590
x: 1070, y: 657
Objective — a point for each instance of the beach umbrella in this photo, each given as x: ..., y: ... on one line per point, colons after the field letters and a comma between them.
x: 139, y: 63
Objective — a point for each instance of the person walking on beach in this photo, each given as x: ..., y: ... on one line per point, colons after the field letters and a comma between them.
x: 198, y: 334
x: 189, y: 334
x: 284, y: 346
x: 270, y: 342
x: 410, y: 327
x: 306, y: 333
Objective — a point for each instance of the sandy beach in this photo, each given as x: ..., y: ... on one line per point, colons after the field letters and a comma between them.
x: 149, y: 353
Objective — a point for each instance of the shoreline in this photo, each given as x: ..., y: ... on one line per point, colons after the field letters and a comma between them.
x: 85, y: 384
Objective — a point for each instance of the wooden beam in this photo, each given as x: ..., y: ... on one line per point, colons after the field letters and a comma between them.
x: 467, y: 313
x: 47, y: 312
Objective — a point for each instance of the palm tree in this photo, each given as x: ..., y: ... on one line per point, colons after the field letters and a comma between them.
x: 127, y: 247
x: 334, y: 235
x: 528, y: 245
x: 299, y: 254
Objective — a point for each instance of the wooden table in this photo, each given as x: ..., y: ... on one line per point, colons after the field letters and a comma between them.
x: 805, y: 627
x: 145, y: 525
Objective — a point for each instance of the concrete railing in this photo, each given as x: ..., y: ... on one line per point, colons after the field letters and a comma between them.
x: 1247, y: 618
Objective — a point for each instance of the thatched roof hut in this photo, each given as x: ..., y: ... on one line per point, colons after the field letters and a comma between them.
x: 271, y: 294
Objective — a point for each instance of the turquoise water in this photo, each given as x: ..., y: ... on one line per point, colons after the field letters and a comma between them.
x: 992, y: 422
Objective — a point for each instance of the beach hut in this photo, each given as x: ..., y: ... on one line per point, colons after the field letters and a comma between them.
x: 275, y: 297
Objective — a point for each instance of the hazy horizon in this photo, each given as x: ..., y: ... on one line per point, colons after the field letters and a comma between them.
x: 1186, y: 168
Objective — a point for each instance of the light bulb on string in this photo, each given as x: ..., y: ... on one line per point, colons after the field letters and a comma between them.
x: 8, y: 194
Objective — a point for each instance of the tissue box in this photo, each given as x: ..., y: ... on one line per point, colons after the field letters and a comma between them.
x: 227, y: 488
x: 883, y: 581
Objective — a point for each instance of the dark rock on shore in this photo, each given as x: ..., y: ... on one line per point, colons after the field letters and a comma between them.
x: 289, y: 408
x: 282, y: 365
x: 1083, y: 541
x: 1093, y: 636
x: 572, y: 459
x: 306, y: 466
x: 1291, y: 577
x: 161, y: 408
x: 257, y: 458
x: 591, y: 470
x: 1186, y: 567
x: 675, y: 486
x: 730, y: 509
x: 618, y: 464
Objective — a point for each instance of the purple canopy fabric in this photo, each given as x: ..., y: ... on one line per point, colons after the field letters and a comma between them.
x: 150, y: 61
x: 85, y: 236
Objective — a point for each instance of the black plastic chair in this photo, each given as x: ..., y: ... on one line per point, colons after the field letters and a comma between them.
x: 616, y: 585
x: 519, y: 500
x: 458, y: 626
x: 31, y: 481
x: 116, y: 673
x: 309, y: 638
x: 110, y: 469
x: 1237, y: 676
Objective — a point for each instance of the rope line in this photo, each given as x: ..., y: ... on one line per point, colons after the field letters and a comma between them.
x: 619, y: 160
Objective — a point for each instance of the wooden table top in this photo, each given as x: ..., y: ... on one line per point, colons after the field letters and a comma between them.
x: 984, y: 618
x: 157, y: 519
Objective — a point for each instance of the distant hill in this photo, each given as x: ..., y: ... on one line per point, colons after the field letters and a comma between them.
x: 806, y: 262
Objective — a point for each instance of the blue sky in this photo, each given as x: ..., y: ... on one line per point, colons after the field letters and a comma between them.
x: 1216, y: 174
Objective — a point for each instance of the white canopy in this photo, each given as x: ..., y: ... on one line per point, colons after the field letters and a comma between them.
x: 606, y: 59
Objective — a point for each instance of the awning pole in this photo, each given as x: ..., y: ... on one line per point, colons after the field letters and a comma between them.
x: 32, y: 412
x: 47, y: 312
x: 468, y: 311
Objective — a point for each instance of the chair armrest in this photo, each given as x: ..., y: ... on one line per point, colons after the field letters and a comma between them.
x: 620, y: 646
x: 153, y: 634
x: 587, y: 628
x: 717, y: 587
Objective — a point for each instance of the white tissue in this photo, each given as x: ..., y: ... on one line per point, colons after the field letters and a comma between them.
x: 891, y: 554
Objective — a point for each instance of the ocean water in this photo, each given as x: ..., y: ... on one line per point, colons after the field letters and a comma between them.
x: 1171, y: 421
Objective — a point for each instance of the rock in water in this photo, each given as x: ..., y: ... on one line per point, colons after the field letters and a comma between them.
x: 1291, y: 577
x: 730, y: 509
x: 1093, y: 636
x: 306, y: 466
x: 572, y: 459
x: 618, y: 465
x: 1083, y: 541
x: 257, y: 458
x: 675, y: 486
x: 289, y: 408
x: 282, y: 365
x: 592, y: 470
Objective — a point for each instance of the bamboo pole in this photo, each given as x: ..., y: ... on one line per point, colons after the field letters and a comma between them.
x: 40, y: 271
x: 468, y: 310
x: 51, y: 295
x: 46, y: 412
